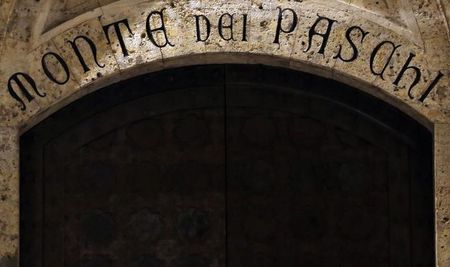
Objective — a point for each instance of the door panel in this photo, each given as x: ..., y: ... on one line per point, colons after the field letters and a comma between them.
x: 303, y: 189
x: 227, y: 166
x: 152, y: 182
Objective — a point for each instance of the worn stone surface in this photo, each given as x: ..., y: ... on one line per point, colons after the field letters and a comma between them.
x: 30, y: 29
x: 159, y: 34
x: 9, y: 196
x: 139, y: 48
x: 443, y: 225
x: 95, y: 67
x: 442, y: 189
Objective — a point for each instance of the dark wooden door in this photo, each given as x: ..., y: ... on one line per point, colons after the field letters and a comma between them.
x: 226, y: 166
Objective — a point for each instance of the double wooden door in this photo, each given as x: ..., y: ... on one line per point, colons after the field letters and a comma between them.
x: 226, y: 166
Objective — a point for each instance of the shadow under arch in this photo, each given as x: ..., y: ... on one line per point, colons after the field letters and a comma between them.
x: 391, y: 120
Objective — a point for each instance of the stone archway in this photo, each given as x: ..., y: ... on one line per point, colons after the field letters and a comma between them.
x: 54, y: 53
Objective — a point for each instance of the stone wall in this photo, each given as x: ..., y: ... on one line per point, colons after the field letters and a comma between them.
x: 53, y: 52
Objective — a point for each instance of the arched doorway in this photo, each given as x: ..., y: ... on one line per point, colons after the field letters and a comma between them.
x: 227, y: 165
